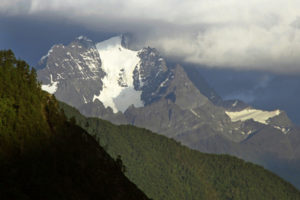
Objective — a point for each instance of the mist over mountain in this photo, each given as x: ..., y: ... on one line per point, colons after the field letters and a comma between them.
x: 17, y: 35
x: 229, y: 34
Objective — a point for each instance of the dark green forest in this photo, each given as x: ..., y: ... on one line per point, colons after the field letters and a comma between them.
x: 42, y: 154
x: 164, y: 169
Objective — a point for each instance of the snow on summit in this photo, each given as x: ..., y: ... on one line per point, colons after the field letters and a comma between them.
x: 118, y: 63
x: 257, y: 115
x: 52, y: 87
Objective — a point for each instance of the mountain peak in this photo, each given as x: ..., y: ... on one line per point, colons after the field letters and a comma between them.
x: 108, y: 71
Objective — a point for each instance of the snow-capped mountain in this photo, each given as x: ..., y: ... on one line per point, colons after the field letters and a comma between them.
x: 83, y: 72
x: 106, y: 79
x: 110, y: 81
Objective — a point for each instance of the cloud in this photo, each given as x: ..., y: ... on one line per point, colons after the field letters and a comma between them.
x: 249, y: 93
x: 256, y: 34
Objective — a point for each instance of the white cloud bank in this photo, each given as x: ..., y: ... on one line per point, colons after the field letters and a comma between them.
x: 256, y: 34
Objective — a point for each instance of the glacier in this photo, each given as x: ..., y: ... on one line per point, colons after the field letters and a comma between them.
x: 118, y: 63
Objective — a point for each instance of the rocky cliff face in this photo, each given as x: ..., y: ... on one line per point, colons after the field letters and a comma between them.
x: 73, y: 72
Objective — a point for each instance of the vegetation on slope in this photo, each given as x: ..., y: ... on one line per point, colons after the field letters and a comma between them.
x: 42, y: 154
x: 164, y: 169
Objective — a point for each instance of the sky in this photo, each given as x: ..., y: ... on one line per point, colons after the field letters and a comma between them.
x: 256, y: 34
x: 244, y: 49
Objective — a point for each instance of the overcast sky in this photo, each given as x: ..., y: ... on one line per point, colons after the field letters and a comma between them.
x: 241, y: 34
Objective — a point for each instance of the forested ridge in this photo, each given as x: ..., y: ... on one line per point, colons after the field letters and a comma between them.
x: 42, y: 154
x: 164, y: 169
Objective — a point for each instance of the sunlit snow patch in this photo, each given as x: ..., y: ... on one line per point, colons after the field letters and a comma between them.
x: 52, y: 87
x: 118, y: 63
x: 257, y: 115
x: 284, y: 130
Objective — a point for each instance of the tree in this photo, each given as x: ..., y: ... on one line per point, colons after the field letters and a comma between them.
x: 120, y: 164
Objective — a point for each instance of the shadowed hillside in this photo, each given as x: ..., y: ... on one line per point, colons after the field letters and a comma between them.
x: 42, y: 154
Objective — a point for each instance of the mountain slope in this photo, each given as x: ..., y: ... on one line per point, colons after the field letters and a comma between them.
x: 42, y: 154
x: 138, y: 88
x: 182, y: 173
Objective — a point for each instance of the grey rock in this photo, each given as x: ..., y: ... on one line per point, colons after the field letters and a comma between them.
x: 77, y: 68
